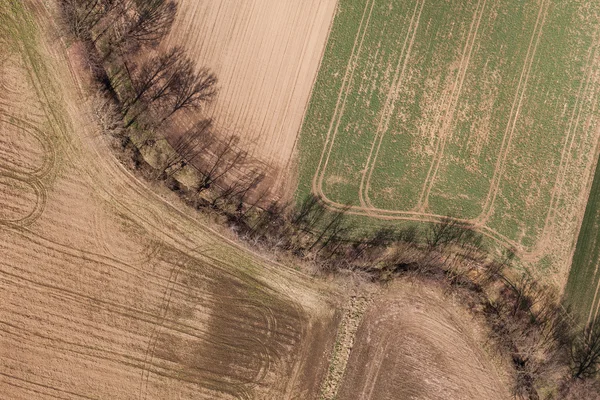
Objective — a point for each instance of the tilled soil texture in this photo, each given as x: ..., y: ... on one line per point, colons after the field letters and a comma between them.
x: 266, y: 54
x: 110, y: 290
x: 415, y: 343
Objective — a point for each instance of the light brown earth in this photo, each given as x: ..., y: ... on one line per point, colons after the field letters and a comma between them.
x: 111, y: 289
x: 108, y: 288
x: 416, y: 343
x: 266, y: 54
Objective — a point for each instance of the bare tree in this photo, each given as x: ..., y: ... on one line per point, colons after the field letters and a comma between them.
x: 189, y: 146
x: 83, y: 16
x: 381, y: 238
x: 239, y: 188
x: 225, y: 159
x: 152, y: 73
x: 309, y: 204
x: 332, y: 229
x: 169, y: 82
x: 138, y: 24
x: 270, y: 225
x: 152, y: 21
x: 410, y: 234
x: 446, y: 231
x: 254, y: 180
x: 309, y: 217
x: 585, y: 352
x: 255, y: 201
x: 190, y: 89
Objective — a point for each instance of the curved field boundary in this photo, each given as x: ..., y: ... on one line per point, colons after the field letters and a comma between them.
x: 380, y: 344
x: 366, y: 208
x: 263, y: 295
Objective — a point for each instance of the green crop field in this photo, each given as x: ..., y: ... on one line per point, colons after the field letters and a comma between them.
x: 485, y: 111
x: 583, y: 287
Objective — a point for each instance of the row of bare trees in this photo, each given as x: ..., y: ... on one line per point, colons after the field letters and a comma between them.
x: 527, y: 318
x: 120, y: 26
x: 150, y: 89
x: 152, y: 85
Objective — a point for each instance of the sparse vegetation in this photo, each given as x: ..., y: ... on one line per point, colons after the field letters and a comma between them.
x: 427, y: 110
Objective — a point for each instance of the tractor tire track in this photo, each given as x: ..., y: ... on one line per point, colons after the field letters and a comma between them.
x: 446, y: 123
x: 488, y: 207
x: 317, y: 184
x: 389, y: 106
x: 161, y: 317
x: 149, y: 251
x: 590, y: 80
x: 49, y: 152
x: 150, y: 318
x: 41, y: 197
x: 45, y: 387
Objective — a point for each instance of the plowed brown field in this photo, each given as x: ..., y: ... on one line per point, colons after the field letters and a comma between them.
x: 415, y: 343
x: 108, y: 290
x: 111, y: 289
x: 266, y: 54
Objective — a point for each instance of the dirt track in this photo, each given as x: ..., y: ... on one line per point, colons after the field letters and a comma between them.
x: 265, y: 84
x: 110, y: 290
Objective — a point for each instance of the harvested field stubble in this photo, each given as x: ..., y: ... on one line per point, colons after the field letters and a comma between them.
x: 108, y: 290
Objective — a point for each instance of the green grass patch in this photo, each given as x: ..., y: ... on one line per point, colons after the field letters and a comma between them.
x: 485, y: 111
x: 582, y: 287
